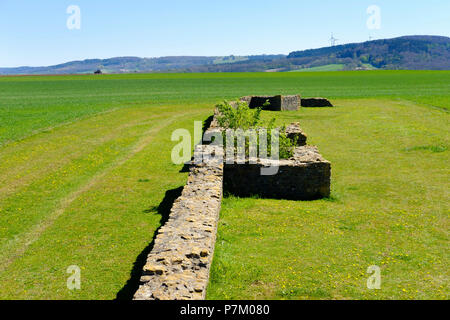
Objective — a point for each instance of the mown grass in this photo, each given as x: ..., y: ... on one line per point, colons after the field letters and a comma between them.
x: 389, y: 207
x: 86, y: 194
x: 85, y: 164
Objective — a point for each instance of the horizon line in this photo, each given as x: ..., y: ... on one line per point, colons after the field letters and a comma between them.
x: 214, y: 56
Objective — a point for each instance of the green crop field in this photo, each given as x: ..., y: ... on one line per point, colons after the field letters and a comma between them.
x: 328, y: 67
x: 86, y: 179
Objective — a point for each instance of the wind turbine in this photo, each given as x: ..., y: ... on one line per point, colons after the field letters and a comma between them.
x: 333, y: 40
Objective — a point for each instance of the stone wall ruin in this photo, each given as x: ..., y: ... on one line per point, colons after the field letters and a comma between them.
x: 277, y: 103
x: 177, y: 268
x: 306, y: 176
x: 285, y: 103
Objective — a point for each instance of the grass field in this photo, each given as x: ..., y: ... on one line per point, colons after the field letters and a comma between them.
x: 328, y: 67
x: 86, y: 178
x: 388, y: 208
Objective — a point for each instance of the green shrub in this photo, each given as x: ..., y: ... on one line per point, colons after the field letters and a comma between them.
x: 242, y: 117
x: 286, y: 145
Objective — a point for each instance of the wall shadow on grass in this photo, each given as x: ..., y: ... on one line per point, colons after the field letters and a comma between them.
x: 206, y: 125
x: 130, y: 288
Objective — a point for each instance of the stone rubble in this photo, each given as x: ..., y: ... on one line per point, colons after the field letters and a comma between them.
x: 295, y: 133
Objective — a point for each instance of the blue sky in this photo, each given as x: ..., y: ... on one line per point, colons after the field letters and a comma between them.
x: 35, y: 33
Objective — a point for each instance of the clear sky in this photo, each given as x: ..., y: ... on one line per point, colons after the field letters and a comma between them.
x: 35, y: 32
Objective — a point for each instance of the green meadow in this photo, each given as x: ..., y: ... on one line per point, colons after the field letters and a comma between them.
x: 86, y: 179
x: 328, y: 67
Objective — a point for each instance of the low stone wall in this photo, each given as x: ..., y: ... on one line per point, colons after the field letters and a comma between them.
x: 178, y: 265
x: 277, y: 103
x: 306, y: 176
x: 296, y: 134
x: 315, y: 103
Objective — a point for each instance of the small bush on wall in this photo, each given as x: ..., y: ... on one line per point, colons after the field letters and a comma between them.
x: 240, y: 116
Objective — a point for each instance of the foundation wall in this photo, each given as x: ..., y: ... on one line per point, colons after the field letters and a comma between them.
x: 277, y: 103
x: 178, y: 266
x: 304, y: 177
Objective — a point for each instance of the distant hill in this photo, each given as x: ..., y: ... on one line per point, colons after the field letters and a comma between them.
x: 405, y: 53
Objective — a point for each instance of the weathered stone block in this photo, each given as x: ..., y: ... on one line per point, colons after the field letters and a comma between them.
x: 290, y: 103
x: 306, y: 176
